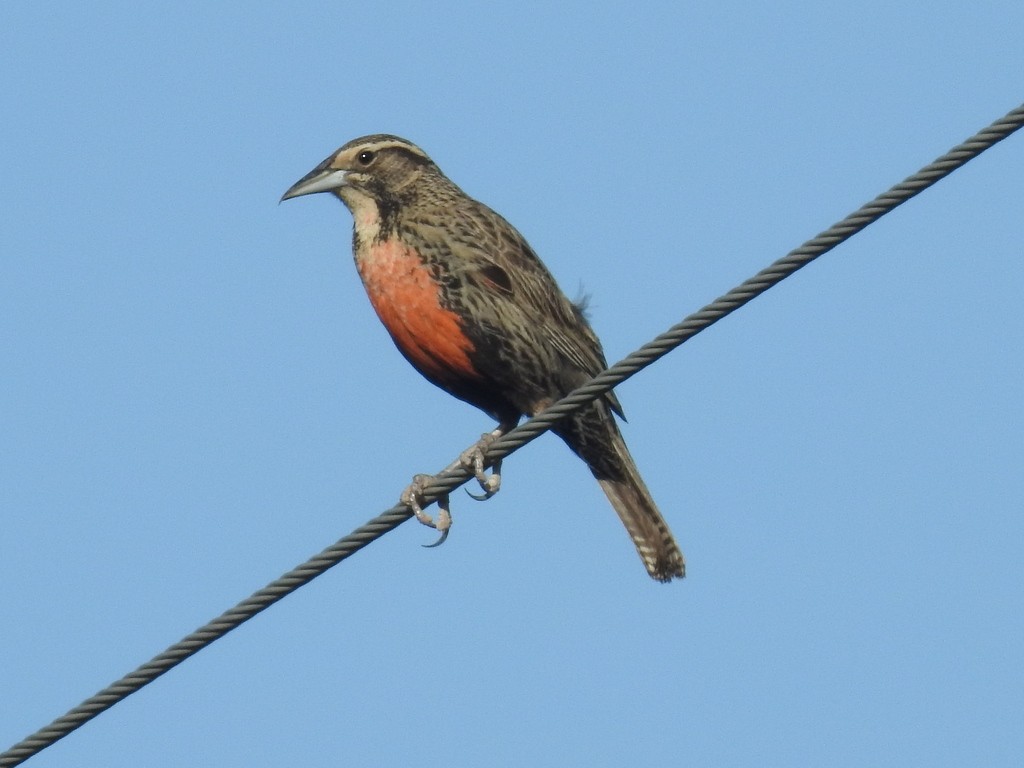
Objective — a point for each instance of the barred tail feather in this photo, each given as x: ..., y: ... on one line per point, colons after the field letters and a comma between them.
x: 633, y: 503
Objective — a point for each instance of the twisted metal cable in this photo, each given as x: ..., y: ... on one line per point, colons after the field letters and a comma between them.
x: 455, y: 475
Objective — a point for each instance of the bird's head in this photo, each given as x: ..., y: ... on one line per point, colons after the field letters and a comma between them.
x: 378, y: 169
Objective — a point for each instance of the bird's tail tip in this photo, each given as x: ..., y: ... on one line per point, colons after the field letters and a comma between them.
x: 654, y: 542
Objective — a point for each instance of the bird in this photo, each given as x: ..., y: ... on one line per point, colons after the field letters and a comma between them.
x: 472, y: 307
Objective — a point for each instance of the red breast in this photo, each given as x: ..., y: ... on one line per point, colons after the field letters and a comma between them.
x: 407, y: 300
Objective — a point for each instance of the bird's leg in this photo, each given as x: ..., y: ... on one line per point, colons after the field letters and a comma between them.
x: 412, y: 497
x: 473, y: 459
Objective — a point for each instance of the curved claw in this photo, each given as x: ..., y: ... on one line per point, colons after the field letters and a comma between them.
x: 439, y: 542
x: 479, y: 496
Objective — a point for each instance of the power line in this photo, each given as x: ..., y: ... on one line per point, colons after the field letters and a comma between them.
x: 455, y: 475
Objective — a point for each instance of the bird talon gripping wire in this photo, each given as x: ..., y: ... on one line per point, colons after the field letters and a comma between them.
x: 443, y: 524
x: 473, y: 460
x: 490, y: 483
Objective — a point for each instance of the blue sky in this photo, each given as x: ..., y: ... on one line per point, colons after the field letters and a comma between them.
x: 197, y: 396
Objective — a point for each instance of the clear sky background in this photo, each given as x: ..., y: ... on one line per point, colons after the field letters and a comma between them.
x: 195, y: 395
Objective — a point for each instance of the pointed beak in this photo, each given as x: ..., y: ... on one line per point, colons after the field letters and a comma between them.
x: 323, y: 178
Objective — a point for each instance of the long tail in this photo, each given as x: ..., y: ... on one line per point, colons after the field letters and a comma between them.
x: 599, y: 443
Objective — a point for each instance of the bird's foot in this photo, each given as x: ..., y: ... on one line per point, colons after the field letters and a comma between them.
x: 412, y: 497
x: 473, y: 458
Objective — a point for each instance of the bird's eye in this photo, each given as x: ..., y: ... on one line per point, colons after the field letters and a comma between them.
x: 366, y: 157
